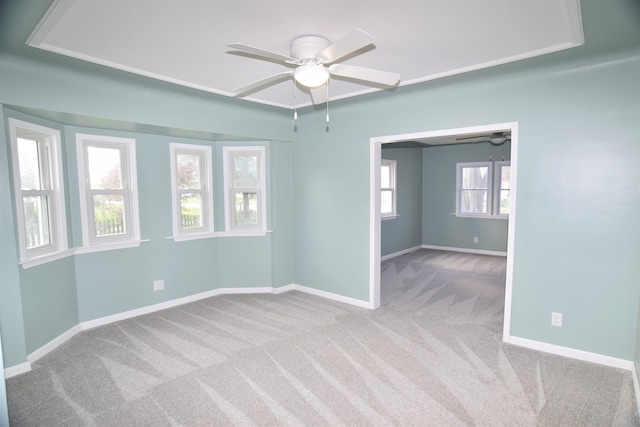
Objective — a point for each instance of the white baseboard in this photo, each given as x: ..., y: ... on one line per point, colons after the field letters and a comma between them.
x: 180, y: 301
x: 61, y: 339
x: 402, y: 252
x: 53, y: 344
x: 467, y: 250
x: 14, y: 370
x: 332, y: 296
x: 572, y: 353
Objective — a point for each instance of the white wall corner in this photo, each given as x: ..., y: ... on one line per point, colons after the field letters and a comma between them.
x: 399, y: 253
x: 14, y: 370
x: 334, y: 297
x: 53, y: 344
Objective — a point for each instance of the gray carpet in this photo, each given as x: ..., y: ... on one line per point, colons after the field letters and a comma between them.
x: 430, y: 356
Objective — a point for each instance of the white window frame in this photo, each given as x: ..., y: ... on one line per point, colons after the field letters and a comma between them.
x: 127, y: 148
x: 49, y: 142
x: 497, y: 183
x: 227, y: 154
x: 393, y: 167
x: 206, y: 190
x: 459, y: 168
x: 493, y: 189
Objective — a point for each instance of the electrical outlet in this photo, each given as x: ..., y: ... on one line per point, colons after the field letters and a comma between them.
x: 556, y: 319
x: 475, y: 239
x: 158, y: 285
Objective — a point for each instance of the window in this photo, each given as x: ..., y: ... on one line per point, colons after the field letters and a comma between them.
x: 108, y: 189
x: 474, y: 189
x: 191, y: 178
x: 244, y: 175
x: 480, y: 192
x: 388, y: 188
x: 38, y: 182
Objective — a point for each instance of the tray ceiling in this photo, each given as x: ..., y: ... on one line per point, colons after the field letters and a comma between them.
x: 184, y: 42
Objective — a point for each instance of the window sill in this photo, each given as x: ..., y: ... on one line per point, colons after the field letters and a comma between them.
x: 43, y: 259
x: 459, y: 215
x: 109, y: 246
x: 255, y: 233
x: 384, y: 218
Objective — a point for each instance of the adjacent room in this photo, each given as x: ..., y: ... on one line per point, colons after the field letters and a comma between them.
x: 319, y: 212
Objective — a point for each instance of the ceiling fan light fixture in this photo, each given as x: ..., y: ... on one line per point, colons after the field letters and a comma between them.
x: 497, y: 138
x: 311, y: 75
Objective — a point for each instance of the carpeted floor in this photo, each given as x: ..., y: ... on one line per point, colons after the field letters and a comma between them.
x: 430, y: 356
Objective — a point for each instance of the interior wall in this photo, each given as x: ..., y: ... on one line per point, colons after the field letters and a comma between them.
x: 42, y: 302
x: 577, y: 245
x: 440, y: 227
x: 11, y: 315
x: 404, y: 231
x: 570, y: 169
x: 4, y: 410
x: 426, y: 200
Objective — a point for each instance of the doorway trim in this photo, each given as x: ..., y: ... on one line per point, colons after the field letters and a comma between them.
x: 375, y: 153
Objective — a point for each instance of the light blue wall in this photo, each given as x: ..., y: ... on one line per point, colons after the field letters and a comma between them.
x: 48, y: 292
x: 577, y: 231
x: 426, y: 199
x: 439, y: 227
x: 78, y: 88
x: 11, y: 314
x: 404, y: 231
x: 331, y: 200
x: 49, y: 301
x: 4, y: 410
x: 40, y: 303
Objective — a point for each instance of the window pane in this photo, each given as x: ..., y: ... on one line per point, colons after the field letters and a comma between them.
x: 108, y: 211
x: 505, y: 186
x: 29, y: 164
x: 473, y: 201
x: 245, y: 169
x: 473, y: 178
x: 105, y: 170
x: 189, y: 173
x: 386, y: 202
x: 191, y: 210
x: 385, y: 176
x: 36, y: 221
x: 505, y: 177
x: 246, y: 208
x: 504, y: 201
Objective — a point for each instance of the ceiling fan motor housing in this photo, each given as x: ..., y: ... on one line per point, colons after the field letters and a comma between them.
x: 306, y: 47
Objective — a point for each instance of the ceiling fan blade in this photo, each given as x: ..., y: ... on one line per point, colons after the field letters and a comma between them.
x: 345, y: 46
x: 319, y: 94
x: 263, y: 52
x: 383, y: 78
x: 473, y: 137
x: 259, y: 84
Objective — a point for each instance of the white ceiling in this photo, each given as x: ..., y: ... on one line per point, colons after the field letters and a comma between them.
x: 183, y: 41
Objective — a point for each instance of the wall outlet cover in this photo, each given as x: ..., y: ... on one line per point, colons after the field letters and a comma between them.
x: 556, y: 319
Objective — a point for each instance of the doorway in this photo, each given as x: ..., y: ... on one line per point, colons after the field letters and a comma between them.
x: 375, y: 151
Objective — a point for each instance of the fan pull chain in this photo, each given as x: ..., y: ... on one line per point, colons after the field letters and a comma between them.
x: 327, y: 101
x: 295, y: 107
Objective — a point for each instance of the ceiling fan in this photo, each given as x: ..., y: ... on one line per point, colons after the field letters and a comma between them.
x: 314, y: 61
x: 495, y: 138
